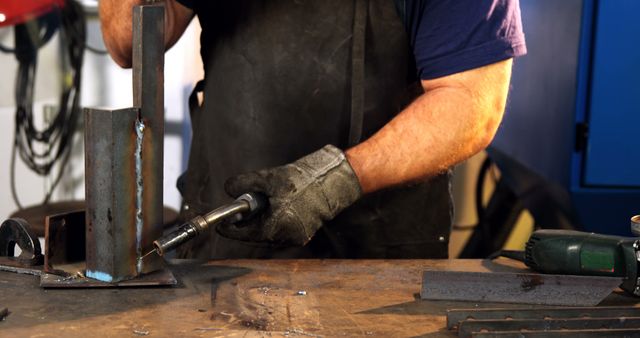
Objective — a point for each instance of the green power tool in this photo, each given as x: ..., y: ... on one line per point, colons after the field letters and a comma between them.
x: 568, y: 252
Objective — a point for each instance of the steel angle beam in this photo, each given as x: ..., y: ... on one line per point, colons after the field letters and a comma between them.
x: 455, y: 316
x: 523, y: 288
x: 110, y: 183
x: 148, y: 96
x: 468, y: 327
x: 627, y: 333
x: 64, y: 239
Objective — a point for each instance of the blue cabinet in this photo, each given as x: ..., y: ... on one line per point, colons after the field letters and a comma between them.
x: 613, y: 145
x: 574, y: 108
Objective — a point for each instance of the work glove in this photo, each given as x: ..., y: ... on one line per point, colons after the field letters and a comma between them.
x: 302, y: 195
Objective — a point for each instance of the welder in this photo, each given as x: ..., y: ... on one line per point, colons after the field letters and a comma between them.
x: 347, y: 115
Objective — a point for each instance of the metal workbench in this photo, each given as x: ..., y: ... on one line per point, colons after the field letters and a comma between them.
x: 247, y: 297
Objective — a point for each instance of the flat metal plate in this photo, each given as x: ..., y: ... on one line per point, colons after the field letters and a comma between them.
x: 468, y: 327
x: 561, y: 333
x: 455, y: 316
x: 521, y: 288
x: 156, y: 278
x: 9, y: 266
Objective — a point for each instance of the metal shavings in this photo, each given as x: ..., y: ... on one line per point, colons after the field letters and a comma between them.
x: 141, y: 332
x: 264, y: 289
x: 301, y: 293
x: 299, y: 332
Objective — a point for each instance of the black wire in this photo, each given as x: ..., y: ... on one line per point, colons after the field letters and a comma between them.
x: 56, y: 139
x: 5, y: 49
x: 95, y: 50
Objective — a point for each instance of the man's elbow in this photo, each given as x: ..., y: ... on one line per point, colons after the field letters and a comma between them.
x: 489, y: 119
x: 120, y: 57
x: 118, y: 45
x: 116, y: 33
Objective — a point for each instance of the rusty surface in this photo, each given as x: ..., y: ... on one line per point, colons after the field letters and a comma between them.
x: 148, y: 96
x: 252, y: 298
x: 521, y: 288
x: 110, y: 185
x: 64, y: 240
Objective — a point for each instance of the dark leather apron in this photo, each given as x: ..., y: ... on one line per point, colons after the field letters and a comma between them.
x: 281, y: 81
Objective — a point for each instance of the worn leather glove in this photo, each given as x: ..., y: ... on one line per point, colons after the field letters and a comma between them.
x: 302, y: 195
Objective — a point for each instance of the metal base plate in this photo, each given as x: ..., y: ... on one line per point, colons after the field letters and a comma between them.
x: 156, y: 278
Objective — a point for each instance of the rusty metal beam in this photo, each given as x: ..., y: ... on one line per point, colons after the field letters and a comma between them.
x: 148, y: 96
x: 110, y: 143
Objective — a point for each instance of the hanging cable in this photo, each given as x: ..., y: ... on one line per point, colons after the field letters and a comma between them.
x: 42, y: 149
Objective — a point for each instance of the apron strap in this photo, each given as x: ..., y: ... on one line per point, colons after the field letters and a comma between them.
x: 357, y: 70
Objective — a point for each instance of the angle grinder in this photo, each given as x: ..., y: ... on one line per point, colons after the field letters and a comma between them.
x: 569, y: 252
x: 243, y: 208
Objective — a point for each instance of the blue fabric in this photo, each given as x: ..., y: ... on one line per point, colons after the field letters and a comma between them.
x: 451, y: 36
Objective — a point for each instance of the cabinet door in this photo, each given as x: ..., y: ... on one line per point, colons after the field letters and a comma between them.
x: 613, y: 147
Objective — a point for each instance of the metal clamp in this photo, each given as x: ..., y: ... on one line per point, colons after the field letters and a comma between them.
x: 16, y: 231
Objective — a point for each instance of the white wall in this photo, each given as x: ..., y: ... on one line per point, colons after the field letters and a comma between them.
x: 105, y: 85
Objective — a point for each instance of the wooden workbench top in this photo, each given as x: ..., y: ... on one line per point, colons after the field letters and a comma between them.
x: 246, y: 298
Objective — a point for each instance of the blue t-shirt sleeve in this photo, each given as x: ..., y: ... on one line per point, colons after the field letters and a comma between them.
x: 451, y: 36
x: 187, y: 3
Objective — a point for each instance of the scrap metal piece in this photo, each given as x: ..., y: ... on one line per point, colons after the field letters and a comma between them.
x: 468, y: 327
x: 455, y: 316
x: 148, y: 96
x: 16, y: 231
x: 523, y: 288
x: 64, y: 239
x: 110, y: 141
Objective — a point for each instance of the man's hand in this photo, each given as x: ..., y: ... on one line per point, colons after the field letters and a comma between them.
x: 116, y: 24
x: 302, y: 195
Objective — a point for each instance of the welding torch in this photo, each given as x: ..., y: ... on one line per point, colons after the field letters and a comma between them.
x: 243, y: 208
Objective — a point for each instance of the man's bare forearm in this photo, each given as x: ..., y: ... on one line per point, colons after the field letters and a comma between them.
x: 455, y: 118
x: 116, y: 20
